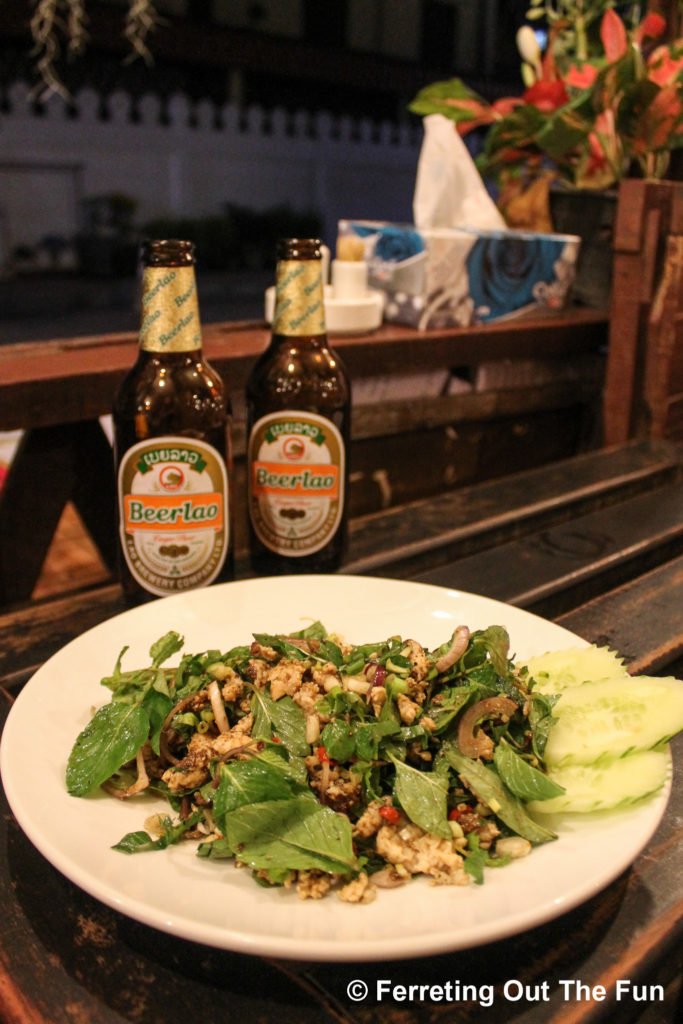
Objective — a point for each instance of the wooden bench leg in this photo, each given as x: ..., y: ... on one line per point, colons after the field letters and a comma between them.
x: 53, y: 465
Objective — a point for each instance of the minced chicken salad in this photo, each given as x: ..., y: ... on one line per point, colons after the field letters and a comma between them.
x: 325, y: 766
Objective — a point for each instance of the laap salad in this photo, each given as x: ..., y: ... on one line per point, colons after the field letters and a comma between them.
x: 322, y: 765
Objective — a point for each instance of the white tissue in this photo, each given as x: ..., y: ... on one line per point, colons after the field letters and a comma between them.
x: 449, y: 191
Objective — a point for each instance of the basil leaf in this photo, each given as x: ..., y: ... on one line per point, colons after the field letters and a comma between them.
x: 423, y: 795
x: 521, y: 778
x: 492, y: 643
x: 112, y: 737
x: 277, y: 756
x: 282, y: 646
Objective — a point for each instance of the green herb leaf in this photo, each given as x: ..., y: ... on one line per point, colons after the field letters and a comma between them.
x: 297, y: 834
x: 521, y: 778
x: 541, y: 720
x: 282, y: 718
x: 250, y: 782
x: 164, y: 647
x: 369, y: 737
x: 488, y: 787
x: 111, y: 738
x: 338, y: 739
x: 139, y: 842
x: 423, y: 797
x: 475, y: 859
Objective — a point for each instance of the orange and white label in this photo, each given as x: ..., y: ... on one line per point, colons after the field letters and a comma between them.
x: 173, y: 509
x: 275, y: 479
x: 163, y: 512
x: 296, y: 481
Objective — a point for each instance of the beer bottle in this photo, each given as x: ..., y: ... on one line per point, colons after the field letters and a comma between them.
x: 298, y: 427
x: 172, y: 441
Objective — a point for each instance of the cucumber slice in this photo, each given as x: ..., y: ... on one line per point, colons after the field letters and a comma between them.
x: 605, y: 720
x: 604, y: 787
x: 557, y: 671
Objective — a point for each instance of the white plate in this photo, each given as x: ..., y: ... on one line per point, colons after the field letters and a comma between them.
x: 216, y: 904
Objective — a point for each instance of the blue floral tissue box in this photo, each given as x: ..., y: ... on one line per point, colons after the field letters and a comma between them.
x: 456, y: 276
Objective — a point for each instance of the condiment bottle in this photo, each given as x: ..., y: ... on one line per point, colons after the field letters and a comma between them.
x: 172, y: 424
x: 298, y: 427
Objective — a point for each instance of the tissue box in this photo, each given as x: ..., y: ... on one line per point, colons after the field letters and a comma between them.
x: 458, y: 276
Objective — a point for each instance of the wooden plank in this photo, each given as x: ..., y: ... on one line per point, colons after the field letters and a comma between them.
x: 663, y: 337
x: 51, y: 382
x: 641, y: 619
x: 31, y: 634
x: 451, y: 525
x: 563, y: 566
x: 645, y: 310
x: 390, y: 471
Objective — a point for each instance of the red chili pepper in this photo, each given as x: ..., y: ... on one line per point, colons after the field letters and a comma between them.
x: 455, y: 814
x: 276, y: 739
x: 390, y: 814
x: 322, y: 755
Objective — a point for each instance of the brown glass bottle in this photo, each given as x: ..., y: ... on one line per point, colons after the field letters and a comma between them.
x: 298, y: 428
x: 172, y: 441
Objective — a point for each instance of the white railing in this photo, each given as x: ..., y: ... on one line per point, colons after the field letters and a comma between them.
x: 176, y: 157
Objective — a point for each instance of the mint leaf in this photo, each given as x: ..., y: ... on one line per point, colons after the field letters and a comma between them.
x: 112, y: 737
x: 423, y: 796
x: 291, y: 834
x: 250, y: 782
x: 521, y: 778
x: 488, y: 787
x: 164, y: 647
x: 282, y: 718
x: 138, y: 842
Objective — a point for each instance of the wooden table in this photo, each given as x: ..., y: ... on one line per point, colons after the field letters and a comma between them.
x: 596, y: 543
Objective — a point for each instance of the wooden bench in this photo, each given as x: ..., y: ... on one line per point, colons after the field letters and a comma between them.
x: 405, y: 445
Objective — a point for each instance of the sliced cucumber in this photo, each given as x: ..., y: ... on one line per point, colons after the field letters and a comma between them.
x: 605, y: 787
x: 605, y: 720
x: 557, y: 671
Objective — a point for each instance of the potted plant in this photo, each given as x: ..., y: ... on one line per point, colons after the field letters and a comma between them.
x: 601, y: 102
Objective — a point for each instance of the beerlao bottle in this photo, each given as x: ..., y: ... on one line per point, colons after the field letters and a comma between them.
x: 172, y: 441
x: 298, y: 428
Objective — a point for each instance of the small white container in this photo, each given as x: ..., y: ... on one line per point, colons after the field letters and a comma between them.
x: 342, y: 316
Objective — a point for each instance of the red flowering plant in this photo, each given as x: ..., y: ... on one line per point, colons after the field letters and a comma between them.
x: 602, y: 102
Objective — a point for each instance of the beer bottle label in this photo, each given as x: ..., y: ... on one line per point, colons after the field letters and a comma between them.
x: 299, y: 307
x: 173, y: 513
x: 296, y: 481
x: 170, y: 312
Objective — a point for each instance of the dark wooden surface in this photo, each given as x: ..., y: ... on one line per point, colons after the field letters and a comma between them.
x: 66, y: 959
